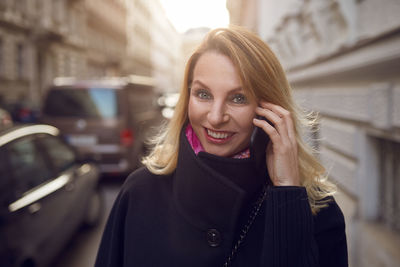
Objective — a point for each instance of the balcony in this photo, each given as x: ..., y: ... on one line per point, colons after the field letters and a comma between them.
x: 13, y: 18
x: 45, y: 35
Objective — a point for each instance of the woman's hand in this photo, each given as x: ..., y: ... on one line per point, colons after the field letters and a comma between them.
x: 282, y: 159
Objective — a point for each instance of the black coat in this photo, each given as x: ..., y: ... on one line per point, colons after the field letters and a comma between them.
x: 193, y: 218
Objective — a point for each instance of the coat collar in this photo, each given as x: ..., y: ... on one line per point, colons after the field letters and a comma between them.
x: 211, y: 191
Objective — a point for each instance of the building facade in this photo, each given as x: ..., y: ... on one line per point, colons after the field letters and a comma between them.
x: 167, y: 51
x: 44, y: 39
x: 342, y: 58
x: 106, y: 33
x: 139, y: 23
x: 39, y: 39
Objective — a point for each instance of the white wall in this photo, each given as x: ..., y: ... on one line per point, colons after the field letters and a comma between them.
x: 342, y: 58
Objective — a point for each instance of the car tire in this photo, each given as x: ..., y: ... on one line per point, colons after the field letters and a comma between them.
x: 94, y: 210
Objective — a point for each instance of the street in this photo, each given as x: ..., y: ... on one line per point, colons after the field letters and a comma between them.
x: 82, y: 249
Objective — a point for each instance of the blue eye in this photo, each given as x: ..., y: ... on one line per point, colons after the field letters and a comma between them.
x: 239, y: 99
x: 202, y: 94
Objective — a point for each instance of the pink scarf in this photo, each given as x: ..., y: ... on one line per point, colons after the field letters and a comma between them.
x: 197, y: 147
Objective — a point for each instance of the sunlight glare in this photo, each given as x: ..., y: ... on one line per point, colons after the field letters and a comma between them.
x: 186, y: 14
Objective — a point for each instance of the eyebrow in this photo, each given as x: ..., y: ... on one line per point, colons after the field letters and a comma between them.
x: 237, y: 89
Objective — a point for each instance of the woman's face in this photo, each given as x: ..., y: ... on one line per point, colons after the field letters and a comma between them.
x: 220, y: 112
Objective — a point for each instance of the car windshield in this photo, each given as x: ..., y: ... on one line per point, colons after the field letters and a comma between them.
x: 92, y: 103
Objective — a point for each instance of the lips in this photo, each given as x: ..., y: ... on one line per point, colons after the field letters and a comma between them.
x: 218, y: 136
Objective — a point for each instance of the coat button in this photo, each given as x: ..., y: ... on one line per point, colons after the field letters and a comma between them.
x: 213, y: 237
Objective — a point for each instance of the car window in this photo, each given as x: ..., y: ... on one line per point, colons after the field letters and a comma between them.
x: 60, y: 154
x: 28, y: 164
x: 3, y: 169
x: 6, y: 192
x: 86, y: 103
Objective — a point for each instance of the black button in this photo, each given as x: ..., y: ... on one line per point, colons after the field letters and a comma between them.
x: 213, y: 237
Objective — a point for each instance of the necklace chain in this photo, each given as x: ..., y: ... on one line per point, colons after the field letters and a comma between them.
x: 246, y: 228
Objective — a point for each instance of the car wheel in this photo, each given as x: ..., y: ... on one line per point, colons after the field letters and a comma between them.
x: 94, y: 210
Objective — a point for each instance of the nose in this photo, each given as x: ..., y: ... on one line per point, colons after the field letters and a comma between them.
x: 217, y: 114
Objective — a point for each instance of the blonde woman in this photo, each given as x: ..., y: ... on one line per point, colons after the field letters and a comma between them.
x: 229, y: 182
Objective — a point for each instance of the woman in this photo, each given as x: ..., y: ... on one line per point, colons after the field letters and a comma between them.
x: 229, y: 182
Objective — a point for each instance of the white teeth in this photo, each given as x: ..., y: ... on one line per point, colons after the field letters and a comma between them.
x: 217, y: 135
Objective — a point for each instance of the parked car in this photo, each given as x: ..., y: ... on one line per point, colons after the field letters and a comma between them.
x: 46, y: 194
x: 23, y: 112
x: 5, y: 119
x: 106, y: 119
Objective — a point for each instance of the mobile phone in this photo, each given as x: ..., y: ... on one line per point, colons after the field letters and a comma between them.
x: 259, y: 139
x: 258, y: 145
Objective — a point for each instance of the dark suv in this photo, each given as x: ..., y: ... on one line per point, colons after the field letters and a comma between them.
x: 107, y: 119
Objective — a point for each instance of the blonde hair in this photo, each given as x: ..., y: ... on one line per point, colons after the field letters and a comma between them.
x: 262, y: 77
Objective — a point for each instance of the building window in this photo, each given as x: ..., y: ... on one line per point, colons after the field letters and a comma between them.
x: 389, y: 168
x: 20, y: 61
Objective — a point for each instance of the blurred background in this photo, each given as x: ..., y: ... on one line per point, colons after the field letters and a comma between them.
x: 342, y: 58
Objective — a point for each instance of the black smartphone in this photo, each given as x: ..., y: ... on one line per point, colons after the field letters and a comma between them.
x: 258, y: 146
x: 259, y: 139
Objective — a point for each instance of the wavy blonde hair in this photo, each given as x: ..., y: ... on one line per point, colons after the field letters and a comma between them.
x: 262, y: 77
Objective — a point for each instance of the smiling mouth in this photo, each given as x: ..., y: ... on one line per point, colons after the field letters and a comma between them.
x: 218, y: 135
